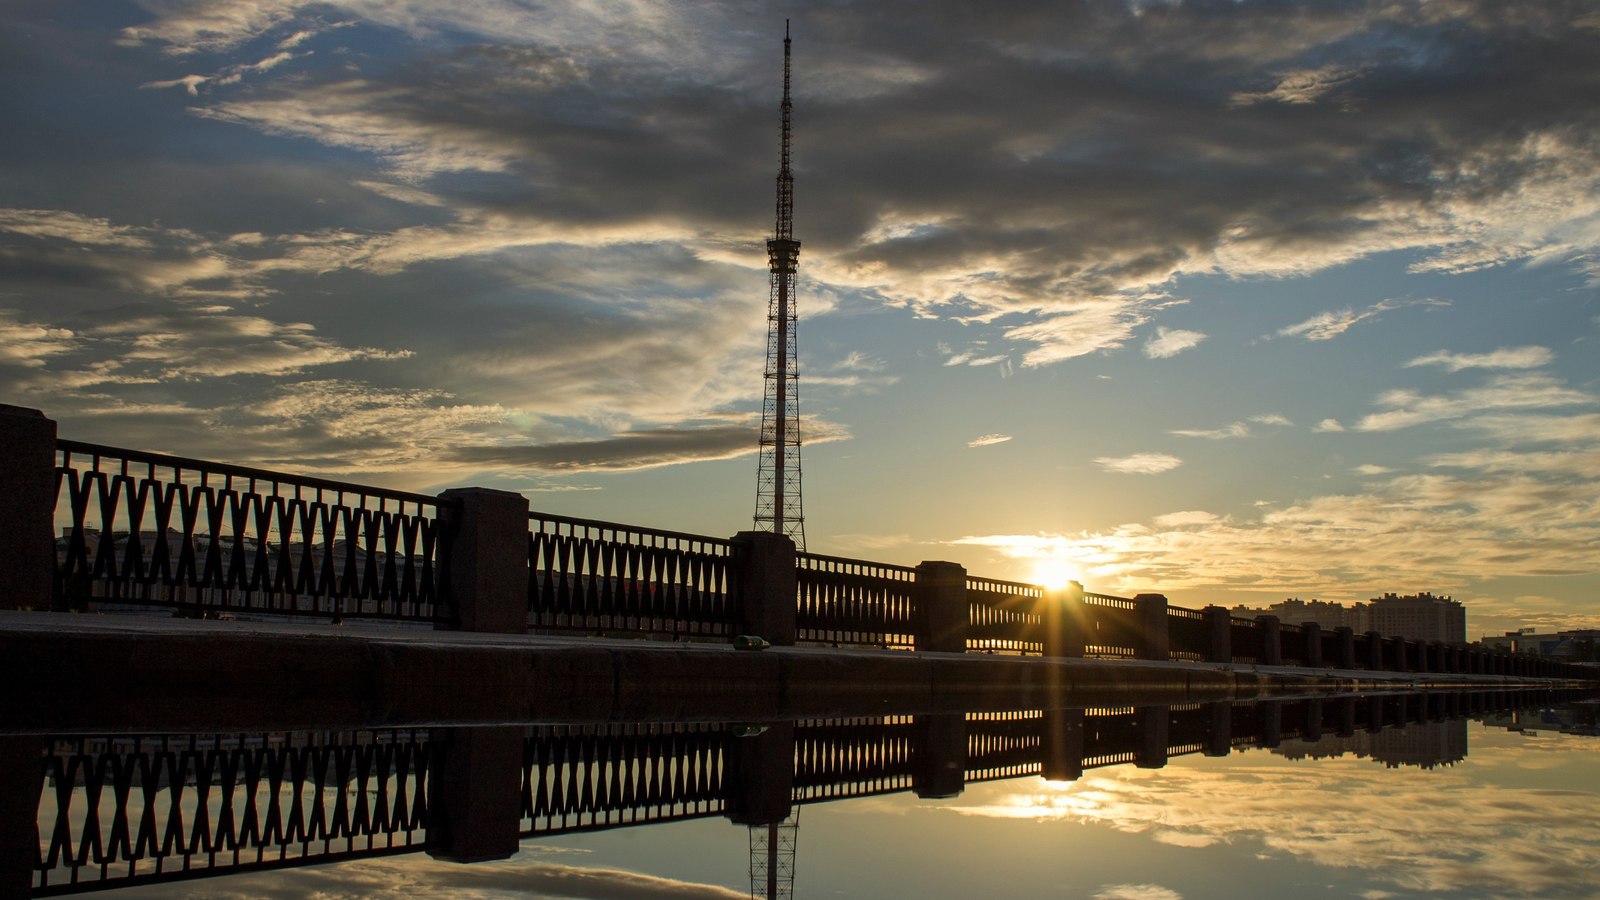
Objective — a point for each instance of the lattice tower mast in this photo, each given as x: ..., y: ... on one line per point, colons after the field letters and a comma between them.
x: 778, y: 507
x: 772, y: 858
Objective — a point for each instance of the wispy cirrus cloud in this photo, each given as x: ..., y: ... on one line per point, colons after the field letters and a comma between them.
x: 988, y: 440
x: 1407, y: 408
x: 1503, y: 358
x: 1235, y: 429
x: 1329, y: 325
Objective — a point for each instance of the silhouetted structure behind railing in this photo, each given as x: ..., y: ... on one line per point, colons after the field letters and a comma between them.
x: 128, y: 810
x: 209, y: 539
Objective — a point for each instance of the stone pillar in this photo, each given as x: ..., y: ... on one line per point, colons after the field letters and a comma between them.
x: 27, y: 507
x: 1063, y: 745
x: 941, y: 612
x: 764, y: 566
x: 1219, y: 730
x: 1397, y: 653
x: 759, y: 777
x: 1347, y: 647
x: 939, y: 755
x: 1155, y: 641
x: 1155, y: 724
x: 1375, y: 657
x: 1064, y: 621
x: 21, y: 783
x: 1219, y: 630
x: 1271, y: 641
x: 1374, y: 714
x: 475, y: 792
x: 488, y: 560
x: 1312, y: 655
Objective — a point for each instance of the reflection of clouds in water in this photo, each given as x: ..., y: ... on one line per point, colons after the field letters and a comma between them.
x: 1435, y: 832
x: 420, y: 876
x: 1135, y: 892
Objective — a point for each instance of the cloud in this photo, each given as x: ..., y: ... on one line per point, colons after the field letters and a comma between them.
x: 1169, y: 342
x: 1301, y: 87
x: 1504, y: 358
x: 30, y: 344
x: 1139, y: 463
x: 1407, y: 408
x: 1370, y: 469
x: 1329, y: 325
x: 988, y: 440
x: 1186, y: 518
x: 1328, y: 425
x: 638, y: 449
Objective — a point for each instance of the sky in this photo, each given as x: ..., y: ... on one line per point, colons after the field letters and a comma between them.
x: 1232, y: 301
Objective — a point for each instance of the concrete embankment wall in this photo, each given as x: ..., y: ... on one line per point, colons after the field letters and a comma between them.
x: 100, y: 673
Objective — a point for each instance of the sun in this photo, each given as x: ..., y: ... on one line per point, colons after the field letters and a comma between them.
x: 1054, y: 574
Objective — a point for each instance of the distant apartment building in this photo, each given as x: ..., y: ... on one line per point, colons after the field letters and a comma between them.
x: 1422, y: 617
x: 1577, y: 645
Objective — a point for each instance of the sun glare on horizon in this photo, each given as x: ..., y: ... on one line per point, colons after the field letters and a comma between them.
x: 1055, y: 573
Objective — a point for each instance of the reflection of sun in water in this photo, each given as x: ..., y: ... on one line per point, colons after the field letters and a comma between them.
x: 1055, y: 573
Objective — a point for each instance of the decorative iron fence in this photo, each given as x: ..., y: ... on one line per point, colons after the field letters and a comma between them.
x: 852, y: 757
x: 585, y: 778
x: 1111, y: 626
x: 1004, y: 616
x: 206, y: 538
x: 854, y: 602
x: 593, y: 576
x: 1188, y: 634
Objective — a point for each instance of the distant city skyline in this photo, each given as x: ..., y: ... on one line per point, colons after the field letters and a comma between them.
x: 1230, y: 302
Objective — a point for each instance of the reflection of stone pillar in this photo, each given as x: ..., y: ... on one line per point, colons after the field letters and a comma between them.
x: 1271, y: 641
x: 758, y: 775
x: 1219, y: 730
x: 1063, y: 745
x: 1155, y: 641
x: 765, y: 571
x: 1374, y: 713
x: 939, y: 755
x: 21, y: 782
x: 475, y: 792
x: 941, y: 610
x: 1271, y: 734
x: 1312, y: 730
x: 1219, y: 634
x: 27, y: 507
x: 1347, y: 716
x: 1313, y: 652
x: 1155, y: 723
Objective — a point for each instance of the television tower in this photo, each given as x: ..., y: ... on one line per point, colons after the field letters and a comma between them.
x: 778, y: 507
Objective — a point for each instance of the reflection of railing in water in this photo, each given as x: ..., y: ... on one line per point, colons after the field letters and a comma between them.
x: 135, y: 810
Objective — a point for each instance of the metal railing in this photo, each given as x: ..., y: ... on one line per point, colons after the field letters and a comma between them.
x: 145, y: 529
x: 591, y: 576
x: 1004, y: 616
x: 853, y: 602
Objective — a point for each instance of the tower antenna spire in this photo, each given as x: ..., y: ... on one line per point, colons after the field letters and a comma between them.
x: 778, y: 507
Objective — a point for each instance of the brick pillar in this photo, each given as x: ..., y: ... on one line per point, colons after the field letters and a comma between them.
x: 1219, y: 728
x: 475, y: 793
x: 941, y: 610
x: 1312, y: 655
x: 1063, y: 745
x: 764, y: 568
x: 1347, y: 647
x: 1219, y: 633
x: 488, y: 560
x: 1155, y: 725
x: 1271, y: 641
x: 1155, y: 641
x: 27, y: 507
x: 1064, y: 621
x: 939, y: 755
x: 758, y: 780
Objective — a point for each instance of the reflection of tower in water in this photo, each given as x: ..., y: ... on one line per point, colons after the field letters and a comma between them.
x: 772, y: 851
